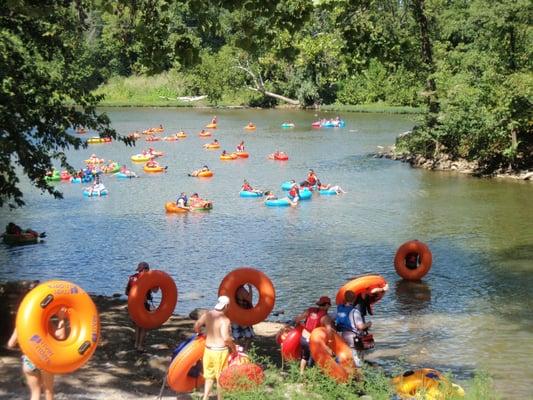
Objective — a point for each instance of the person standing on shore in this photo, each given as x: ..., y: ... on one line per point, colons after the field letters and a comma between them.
x: 140, y: 333
x: 37, y: 379
x: 243, y: 335
x: 218, y: 343
x: 312, y: 318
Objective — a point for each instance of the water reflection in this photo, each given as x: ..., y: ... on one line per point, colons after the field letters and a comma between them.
x: 412, y: 296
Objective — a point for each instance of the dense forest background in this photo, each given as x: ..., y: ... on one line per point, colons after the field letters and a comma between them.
x: 467, y: 63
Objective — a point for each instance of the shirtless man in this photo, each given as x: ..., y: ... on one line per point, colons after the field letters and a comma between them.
x: 218, y: 343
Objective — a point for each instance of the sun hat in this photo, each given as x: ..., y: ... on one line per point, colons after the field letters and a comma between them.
x: 223, y: 301
x: 323, y: 301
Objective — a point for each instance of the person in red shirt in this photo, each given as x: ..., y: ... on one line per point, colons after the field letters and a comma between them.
x: 312, y: 318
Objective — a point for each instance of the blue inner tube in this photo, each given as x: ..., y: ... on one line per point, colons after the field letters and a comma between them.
x: 286, y: 185
x: 305, y: 194
x: 327, y: 192
x: 95, y: 194
x: 122, y: 175
x: 287, y: 125
x: 244, y: 193
x: 277, y: 203
x: 332, y: 124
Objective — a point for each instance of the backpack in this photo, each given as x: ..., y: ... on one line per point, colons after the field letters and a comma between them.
x: 131, y: 280
x: 342, y: 320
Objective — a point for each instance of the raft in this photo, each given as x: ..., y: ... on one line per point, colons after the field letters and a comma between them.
x: 245, y: 193
x: 277, y: 203
x: 211, y: 126
x: 171, y: 207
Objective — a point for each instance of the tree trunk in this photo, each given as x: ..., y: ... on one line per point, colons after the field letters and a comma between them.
x: 427, y: 57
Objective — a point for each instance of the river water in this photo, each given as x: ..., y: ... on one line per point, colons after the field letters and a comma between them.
x: 472, y: 311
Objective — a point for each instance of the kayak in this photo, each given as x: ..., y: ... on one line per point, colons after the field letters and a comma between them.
x: 245, y: 193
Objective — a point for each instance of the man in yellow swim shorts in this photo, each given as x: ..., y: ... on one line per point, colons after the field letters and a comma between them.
x: 218, y: 343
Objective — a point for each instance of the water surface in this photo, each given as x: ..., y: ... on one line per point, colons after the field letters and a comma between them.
x: 472, y: 311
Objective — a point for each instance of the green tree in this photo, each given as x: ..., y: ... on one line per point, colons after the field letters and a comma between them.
x: 42, y: 71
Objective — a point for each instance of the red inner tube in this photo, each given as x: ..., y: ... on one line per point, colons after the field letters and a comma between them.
x: 413, y: 260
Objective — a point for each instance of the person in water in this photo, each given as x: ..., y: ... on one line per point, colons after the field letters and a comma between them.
x: 41, y: 380
x: 182, y: 200
x: 312, y: 318
x: 214, y: 120
x: 243, y: 335
x: 205, y: 168
x: 240, y: 146
x: 334, y: 188
x: 311, y: 179
x: 355, y: 328
x: 140, y: 333
x: 218, y: 343
x: 294, y: 193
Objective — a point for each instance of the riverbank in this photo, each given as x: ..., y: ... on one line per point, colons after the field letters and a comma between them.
x: 116, y: 371
x: 446, y: 163
x: 170, y: 90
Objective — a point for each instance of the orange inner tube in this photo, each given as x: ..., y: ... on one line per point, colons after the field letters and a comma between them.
x: 173, y: 208
x: 137, y: 296
x: 341, y: 371
x: 423, y: 264
x: 241, y: 377
x: 263, y: 284
x: 242, y: 154
x: 362, y: 284
x: 205, y: 174
x: 177, y: 377
x: 35, y: 338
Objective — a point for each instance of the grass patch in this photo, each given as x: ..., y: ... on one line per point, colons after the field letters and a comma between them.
x: 315, y: 385
x: 373, y: 108
x: 145, y: 91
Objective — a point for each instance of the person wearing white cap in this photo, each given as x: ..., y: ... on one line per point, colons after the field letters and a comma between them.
x: 218, y: 343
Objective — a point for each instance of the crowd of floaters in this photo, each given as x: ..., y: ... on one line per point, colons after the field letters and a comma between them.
x: 95, y: 167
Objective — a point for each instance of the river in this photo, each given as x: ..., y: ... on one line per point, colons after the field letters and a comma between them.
x: 471, y: 312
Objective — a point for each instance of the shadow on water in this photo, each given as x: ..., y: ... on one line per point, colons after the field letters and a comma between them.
x: 412, y: 296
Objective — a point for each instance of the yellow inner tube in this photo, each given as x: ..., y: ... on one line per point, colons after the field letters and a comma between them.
x: 425, y: 383
x: 153, y: 169
x: 140, y: 158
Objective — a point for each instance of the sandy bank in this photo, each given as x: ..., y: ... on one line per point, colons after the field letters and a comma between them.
x: 116, y: 371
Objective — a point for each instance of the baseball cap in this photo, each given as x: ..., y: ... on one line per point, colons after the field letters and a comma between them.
x: 323, y: 301
x: 223, y: 301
